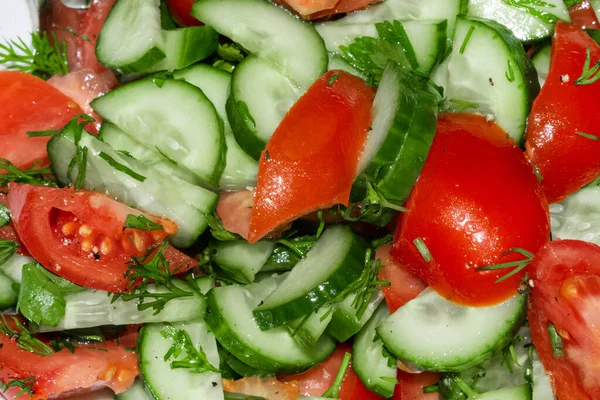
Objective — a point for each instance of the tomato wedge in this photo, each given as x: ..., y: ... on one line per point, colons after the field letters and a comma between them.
x: 566, y: 293
x: 268, y: 388
x: 180, y: 10
x: 81, y: 235
x: 476, y: 198
x: 315, y: 9
x: 39, y: 107
x: 583, y: 15
x: 410, y: 386
x: 563, y: 138
x: 89, y: 29
x: 8, y: 232
x: 311, y: 158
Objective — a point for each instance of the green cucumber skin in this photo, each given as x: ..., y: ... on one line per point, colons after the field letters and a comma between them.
x: 244, y: 135
x: 8, y: 298
x: 242, y: 369
x: 198, y: 42
x: 349, y: 271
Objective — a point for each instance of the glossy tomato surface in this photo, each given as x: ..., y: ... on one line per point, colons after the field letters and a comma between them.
x: 476, y: 198
x: 410, y: 386
x: 8, y: 231
x: 180, y: 10
x: 316, y: 9
x: 81, y: 236
x: 566, y: 293
x: 583, y: 15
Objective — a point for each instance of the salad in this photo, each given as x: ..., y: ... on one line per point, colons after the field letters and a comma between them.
x: 301, y: 199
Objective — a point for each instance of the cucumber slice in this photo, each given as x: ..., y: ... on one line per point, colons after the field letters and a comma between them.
x: 158, y: 193
x: 307, y: 330
x: 542, y: 387
x: 438, y: 335
x: 404, y: 124
x: 334, y: 263
x: 241, y: 259
x: 13, y: 267
x: 541, y: 62
x: 528, y: 22
x: 8, y: 298
x: 522, y: 392
x: 292, y: 46
x: 166, y: 383
x: 131, y: 38
x: 173, y: 117
x: 337, y: 62
x: 596, y: 7
x: 240, y: 368
x: 578, y: 216
x: 137, y: 391
x: 233, y: 324
x: 345, y: 322
x: 186, y: 46
x: 283, y: 258
x: 205, y: 283
x: 260, y: 98
x: 502, y: 84
x: 241, y: 170
x: 376, y: 371
x: 90, y: 308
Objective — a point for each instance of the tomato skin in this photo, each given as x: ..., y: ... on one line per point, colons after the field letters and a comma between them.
x: 39, y: 107
x: 315, y: 9
x: 8, y: 231
x: 310, y: 160
x: 89, y: 29
x: 454, y: 209
x: 180, y: 10
x: 269, y: 388
x: 583, y: 15
x: 404, y: 285
x: 566, y: 285
x: 410, y: 386
x: 80, y: 235
x: 565, y: 160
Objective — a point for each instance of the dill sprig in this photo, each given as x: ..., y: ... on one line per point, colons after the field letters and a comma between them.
x: 33, y: 175
x: 517, y: 265
x: 25, y: 384
x: 44, y: 58
x: 23, y: 337
x: 590, y: 73
x: 334, y: 391
x: 195, y: 359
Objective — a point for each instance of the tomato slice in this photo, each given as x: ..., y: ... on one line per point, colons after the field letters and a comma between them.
x: 319, y: 378
x: 315, y: 9
x: 565, y: 159
x: 311, y: 158
x: 268, y: 388
x: 566, y: 293
x: 404, y: 285
x: 410, y: 386
x: 81, y: 235
x: 235, y: 210
x: 476, y: 198
x: 180, y: 10
x: 28, y: 103
x: 64, y: 373
x: 583, y: 15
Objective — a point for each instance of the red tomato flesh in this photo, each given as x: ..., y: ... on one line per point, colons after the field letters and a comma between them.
x: 310, y: 161
x: 583, y: 15
x: 81, y: 235
x: 566, y: 160
x: 89, y: 29
x: 315, y: 9
x: 476, y: 198
x: 8, y: 232
x: 268, y: 388
x: 566, y: 293
x: 410, y: 386
x: 180, y: 10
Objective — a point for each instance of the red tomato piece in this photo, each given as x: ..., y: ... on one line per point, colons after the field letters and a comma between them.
x: 180, y: 10
x: 319, y: 378
x: 310, y: 161
x: 404, y: 285
x: 89, y: 29
x: 64, y: 372
x: 476, y: 198
x: 583, y: 15
x: 64, y: 23
x: 565, y: 292
x: 565, y: 159
x: 81, y: 235
x: 410, y: 386
x: 235, y: 210
x: 315, y: 9
x: 39, y: 107
x: 269, y: 388
x: 8, y: 232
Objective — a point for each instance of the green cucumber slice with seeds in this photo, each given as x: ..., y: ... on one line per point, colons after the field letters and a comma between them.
x: 345, y: 322
x: 308, y: 329
x: 166, y: 383
x: 529, y: 21
x: 502, y: 85
x: 376, y: 370
x: 335, y: 262
x: 241, y: 170
x: 235, y: 327
x: 470, y: 334
x: 186, y: 46
x: 172, y: 117
x: 137, y: 391
x: 293, y: 47
x: 240, y: 259
x: 131, y: 39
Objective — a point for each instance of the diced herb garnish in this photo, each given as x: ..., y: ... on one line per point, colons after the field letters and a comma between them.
x: 463, y: 46
x: 217, y: 230
x: 422, y: 248
x: 334, y: 391
x: 184, y: 354
x: 230, y: 52
x: 461, y: 105
x: 166, y: 157
x: 588, y: 136
x: 48, y: 132
x: 529, y: 7
x: 556, y: 340
x: 332, y: 79
x: 517, y: 265
x: 589, y: 74
x: 23, y: 338
x: 120, y: 167
x: 33, y: 176
x: 4, y: 215
x: 26, y: 385
x: 141, y: 222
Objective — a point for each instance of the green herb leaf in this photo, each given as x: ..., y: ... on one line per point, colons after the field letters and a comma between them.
x: 431, y: 388
x: 463, y: 46
x: 334, y: 391
x: 461, y: 105
x: 183, y: 352
x: 374, y: 209
x: 245, y: 112
x: 332, y: 79
x: 26, y: 385
x: 120, y: 167
x: 422, y: 248
x: 588, y: 136
x: 517, y: 265
x: 589, y: 75
x: 32, y: 176
x: 4, y: 215
x: 556, y: 340
x: 7, y: 249
x: 23, y: 338
x: 217, y: 230
x: 141, y: 222
x: 529, y: 6
x: 231, y: 52
x: 166, y: 157
x: 48, y: 132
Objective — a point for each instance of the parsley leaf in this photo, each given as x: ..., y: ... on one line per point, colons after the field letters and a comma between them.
x: 4, y: 215
x: 141, y: 222
x: 195, y: 359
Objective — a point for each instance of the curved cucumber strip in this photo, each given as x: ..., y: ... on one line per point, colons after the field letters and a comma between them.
x: 438, y: 335
x: 337, y: 62
x: 541, y: 62
x: 13, y: 267
x: 292, y: 46
x: 578, y: 216
x: 522, y: 392
x: 8, y: 297
x: 332, y: 264
x: 528, y: 22
x: 166, y: 383
x: 131, y: 39
x: 307, y: 330
x: 283, y: 258
x: 260, y: 98
x: 345, y: 322
x: 404, y: 124
x: 186, y: 46
x: 155, y: 192
x: 233, y: 324
x: 173, y: 117
x: 240, y: 368
x: 241, y: 259
x: 369, y: 361
x: 137, y: 391
x: 502, y: 84
x: 241, y: 170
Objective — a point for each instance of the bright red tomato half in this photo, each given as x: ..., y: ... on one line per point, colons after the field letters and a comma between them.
x: 563, y: 136
x: 81, y: 235
x: 410, y: 386
x: 566, y: 293
x: 180, y: 10
x: 476, y: 198
x: 583, y: 15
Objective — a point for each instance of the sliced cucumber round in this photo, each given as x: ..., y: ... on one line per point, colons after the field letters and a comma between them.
x: 292, y: 46
x: 240, y: 368
x: 308, y: 329
x: 502, y: 84
x: 435, y: 334
x: 331, y: 266
x: 137, y: 391
x: 541, y: 62
x: 522, y: 392
x: 186, y: 46
x: 231, y: 320
x: 13, y: 267
x: 345, y: 322
x: 241, y: 259
x: 172, y: 117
